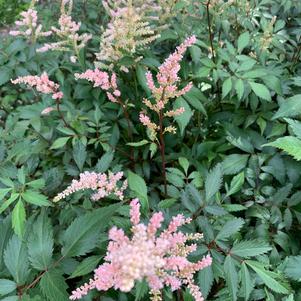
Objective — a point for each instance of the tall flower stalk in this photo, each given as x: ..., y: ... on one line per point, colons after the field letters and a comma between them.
x: 167, y: 89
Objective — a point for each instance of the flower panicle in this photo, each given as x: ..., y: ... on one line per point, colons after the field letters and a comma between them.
x: 159, y: 258
x: 67, y: 32
x: 102, y: 184
x: 103, y: 80
x: 42, y: 84
x: 167, y: 89
x: 28, y: 26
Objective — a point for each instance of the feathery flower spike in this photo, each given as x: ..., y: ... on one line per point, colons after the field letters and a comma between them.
x: 160, y: 259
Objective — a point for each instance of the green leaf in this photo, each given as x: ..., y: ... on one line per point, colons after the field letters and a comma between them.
x: 295, y: 126
x: 213, y: 181
x: 289, y: 144
x: 293, y: 267
x: 185, y: 117
x: 40, y: 243
x: 18, y: 218
x: 267, y: 277
x: 104, y: 162
x: 6, y: 203
x: 136, y: 144
x: 248, y: 248
x: 239, y: 88
x: 230, y: 227
x: 184, y: 164
x: 7, y: 286
x: 35, y: 198
x: 5, y: 234
x: 140, y: 73
x: 243, y: 41
x: 260, y: 90
x: 236, y: 183
x: 4, y: 192
x: 205, y: 280
x: 60, y: 142
x: 79, y: 154
x: 21, y: 175
x: 16, y: 260
x: 227, y: 87
x: 137, y: 184
x: 289, y: 108
x: 234, y: 163
x: 86, y: 266
x: 5, y: 75
x: 53, y: 286
x: 246, y: 282
x: 231, y: 277
x: 81, y: 236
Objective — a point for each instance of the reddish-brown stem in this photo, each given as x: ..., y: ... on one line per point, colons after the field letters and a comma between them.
x: 210, y: 31
x: 61, y: 114
x: 162, y: 150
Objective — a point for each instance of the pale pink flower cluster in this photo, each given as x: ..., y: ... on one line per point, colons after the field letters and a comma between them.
x: 47, y: 110
x: 167, y: 79
x: 159, y: 259
x: 69, y: 37
x: 28, y: 26
x: 103, y: 185
x: 42, y: 84
x: 102, y: 79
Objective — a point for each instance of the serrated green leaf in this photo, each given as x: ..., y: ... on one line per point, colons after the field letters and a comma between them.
x: 6, y: 203
x: 79, y: 154
x: 289, y: 108
x: 213, y: 181
x: 104, y: 162
x: 53, y: 286
x: 86, y: 266
x: 293, y: 268
x: 236, y: 183
x: 35, y: 198
x: 234, y: 163
x: 289, y: 144
x: 16, y: 260
x: 4, y: 192
x: 267, y: 277
x: 231, y: 277
x: 295, y: 126
x: 18, y: 218
x: 246, y: 282
x: 40, y: 243
x: 261, y: 90
x: 7, y: 286
x: 137, y: 184
x: 243, y: 41
x: 249, y: 248
x: 205, y: 280
x: 239, y: 88
x: 229, y: 228
x: 227, y: 87
x: 183, y: 119
x: 60, y: 142
x: 81, y: 236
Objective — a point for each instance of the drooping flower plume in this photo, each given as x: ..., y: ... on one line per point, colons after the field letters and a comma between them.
x: 28, y: 26
x: 103, y: 80
x: 42, y: 84
x: 161, y: 260
x: 103, y: 185
x: 167, y: 89
x: 67, y: 33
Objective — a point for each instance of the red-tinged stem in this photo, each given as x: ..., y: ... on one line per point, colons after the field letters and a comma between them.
x: 61, y: 114
x: 162, y: 150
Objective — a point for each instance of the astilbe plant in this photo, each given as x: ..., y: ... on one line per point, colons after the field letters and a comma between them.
x: 69, y: 38
x: 28, y: 26
x: 168, y: 80
x: 160, y: 259
x: 103, y: 185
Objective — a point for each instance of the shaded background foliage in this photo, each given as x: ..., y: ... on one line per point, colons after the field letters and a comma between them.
x: 244, y: 196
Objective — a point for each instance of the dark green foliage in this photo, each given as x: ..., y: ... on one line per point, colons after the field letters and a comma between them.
x: 233, y: 166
